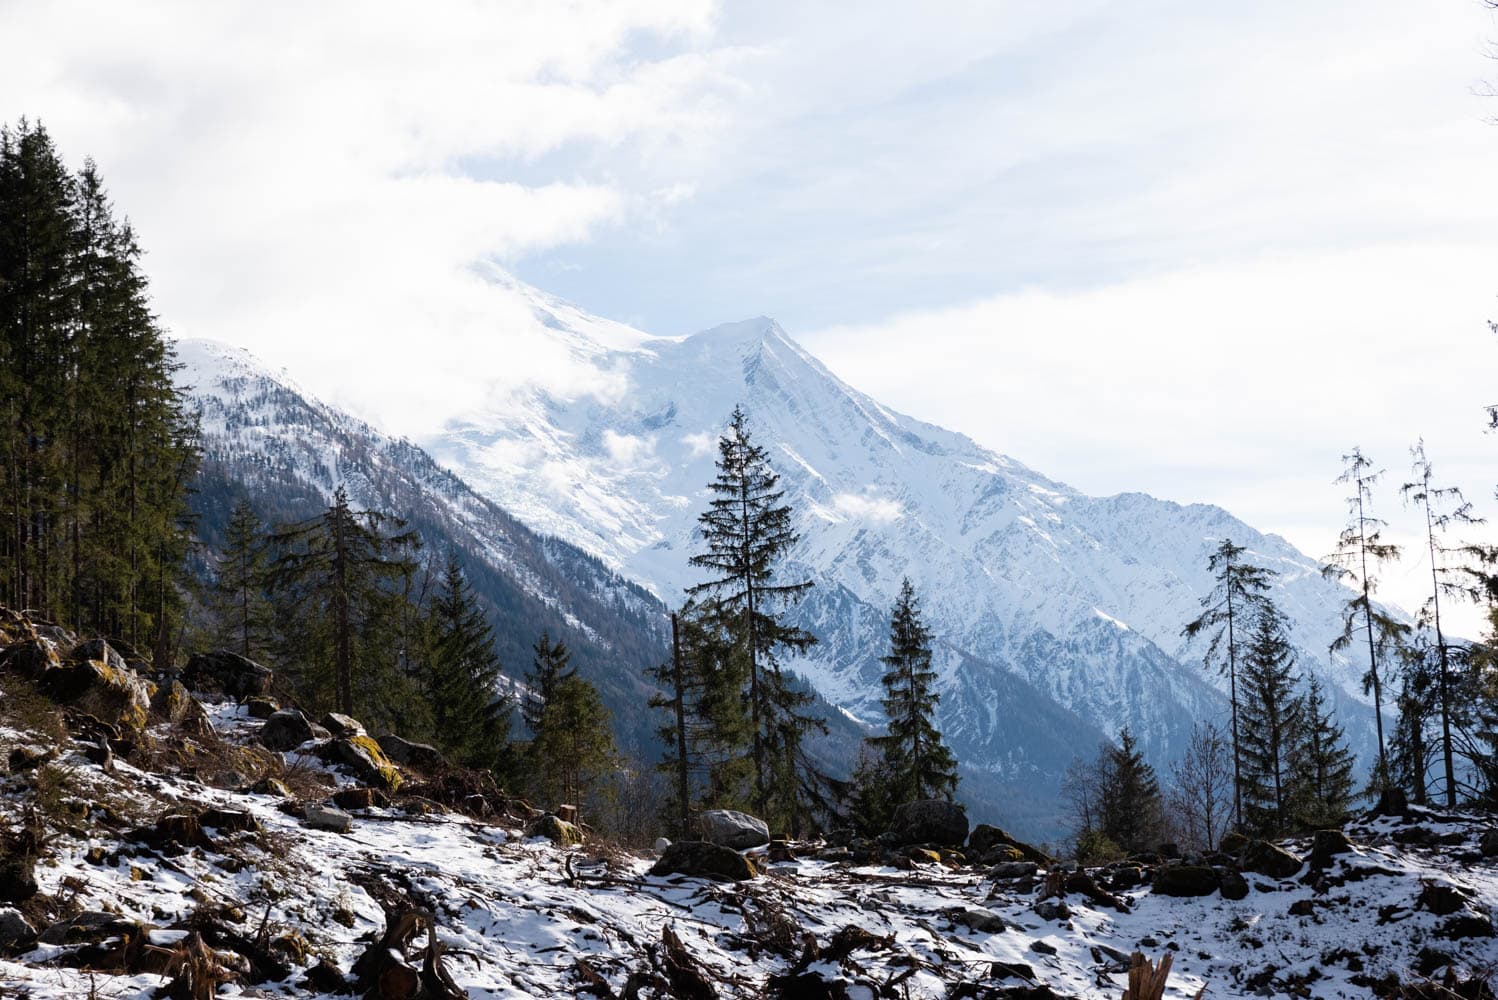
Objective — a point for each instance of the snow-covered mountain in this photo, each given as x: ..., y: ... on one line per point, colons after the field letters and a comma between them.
x: 265, y: 438
x: 1032, y: 586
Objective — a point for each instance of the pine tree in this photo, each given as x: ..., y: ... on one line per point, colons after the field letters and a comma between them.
x: 1417, y: 704
x: 1323, y: 765
x: 746, y: 533
x: 342, y: 578
x: 575, y: 746
x: 1236, y: 597
x: 1360, y: 550
x: 1272, y: 720
x: 239, y: 589
x: 1443, y: 507
x: 873, y: 797
x: 471, y: 720
x: 551, y: 666
x: 920, y: 765
x: 1129, y: 802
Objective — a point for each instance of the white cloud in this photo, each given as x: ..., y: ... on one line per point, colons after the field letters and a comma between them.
x: 861, y: 507
x: 628, y: 451
x: 700, y: 443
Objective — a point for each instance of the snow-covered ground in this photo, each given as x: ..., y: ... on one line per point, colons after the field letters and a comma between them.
x: 517, y: 915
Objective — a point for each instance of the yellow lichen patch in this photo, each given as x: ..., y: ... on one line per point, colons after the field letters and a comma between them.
x: 389, y: 773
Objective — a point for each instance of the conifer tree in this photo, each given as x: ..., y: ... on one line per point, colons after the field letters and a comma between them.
x: 551, y: 665
x: 746, y: 533
x: 1443, y: 507
x: 341, y: 577
x: 1272, y: 724
x: 575, y: 745
x: 239, y: 589
x: 872, y: 798
x: 1323, y: 765
x: 1360, y: 550
x: 918, y: 763
x: 1409, y: 751
x: 1129, y: 801
x: 471, y: 720
x: 1237, y: 596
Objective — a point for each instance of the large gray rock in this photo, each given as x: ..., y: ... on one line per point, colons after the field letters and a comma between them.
x: 327, y: 818
x: 226, y: 672
x: 1185, y: 880
x: 422, y: 756
x: 95, y: 681
x: 700, y: 859
x: 286, y: 730
x: 1264, y: 858
x: 556, y: 830
x: 1488, y: 843
x: 363, y: 757
x: 730, y: 828
x: 343, y: 725
x: 930, y: 821
x: 986, y: 838
x: 17, y: 879
x: 14, y: 926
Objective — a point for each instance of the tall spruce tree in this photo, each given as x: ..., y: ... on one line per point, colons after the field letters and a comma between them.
x: 1129, y: 803
x: 243, y: 611
x: 1360, y: 550
x: 1323, y: 765
x: 341, y: 577
x: 575, y: 745
x: 1417, y: 705
x: 96, y: 445
x: 917, y: 763
x: 1272, y: 724
x: 746, y: 532
x: 1237, y: 596
x: 471, y: 719
x: 551, y: 664
x: 1443, y: 507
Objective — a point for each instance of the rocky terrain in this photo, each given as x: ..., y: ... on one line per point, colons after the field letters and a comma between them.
x: 177, y: 836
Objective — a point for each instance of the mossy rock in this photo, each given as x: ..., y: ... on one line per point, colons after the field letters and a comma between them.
x: 700, y: 859
x: 103, y: 688
x: 365, y: 759
x: 1185, y: 880
x: 557, y: 830
x: 1264, y: 858
x: 1233, y: 842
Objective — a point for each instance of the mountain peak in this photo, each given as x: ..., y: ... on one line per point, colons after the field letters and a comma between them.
x: 747, y: 331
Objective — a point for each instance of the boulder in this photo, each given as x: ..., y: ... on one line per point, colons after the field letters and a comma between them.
x: 28, y: 758
x: 1488, y: 843
x: 1185, y: 880
x: 17, y: 880
x: 1013, y: 869
x: 556, y: 830
x: 981, y: 920
x: 175, y: 704
x: 1233, y: 885
x: 1264, y: 858
x: 729, y: 828
x: 101, y: 686
x: 363, y: 757
x: 422, y: 756
x: 1234, y: 842
x: 1052, y: 909
x: 88, y: 927
x: 30, y: 658
x: 661, y: 843
x: 700, y: 859
x: 930, y: 821
x: 14, y: 927
x: 342, y: 726
x: 271, y: 786
x: 1442, y: 899
x: 327, y: 818
x: 356, y: 798
x: 226, y: 672
x: 1326, y: 845
x: 286, y: 730
x: 261, y: 708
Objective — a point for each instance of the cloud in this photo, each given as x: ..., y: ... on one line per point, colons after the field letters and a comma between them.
x: 315, y: 182
x: 700, y: 444
x: 860, y: 507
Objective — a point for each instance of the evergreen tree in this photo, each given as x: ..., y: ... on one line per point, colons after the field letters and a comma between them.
x: 551, y: 666
x: 1237, y: 595
x: 873, y: 797
x: 239, y: 589
x: 919, y: 764
x: 746, y: 533
x: 1443, y: 507
x: 96, y: 445
x: 1417, y: 704
x: 1360, y: 550
x: 342, y: 577
x: 1323, y: 765
x: 1272, y: 721
x: 1129, y: 804
x: 575, y: 745
x: 470, y: 718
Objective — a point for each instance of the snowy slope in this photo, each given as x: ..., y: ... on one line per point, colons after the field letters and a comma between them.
x: 1081, y: 597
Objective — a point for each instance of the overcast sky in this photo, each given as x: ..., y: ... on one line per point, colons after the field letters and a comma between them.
x: 1198, y: 250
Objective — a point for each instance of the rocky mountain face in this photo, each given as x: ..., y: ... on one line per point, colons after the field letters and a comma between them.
x: 1058, y: 614
x: 265, y: 438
